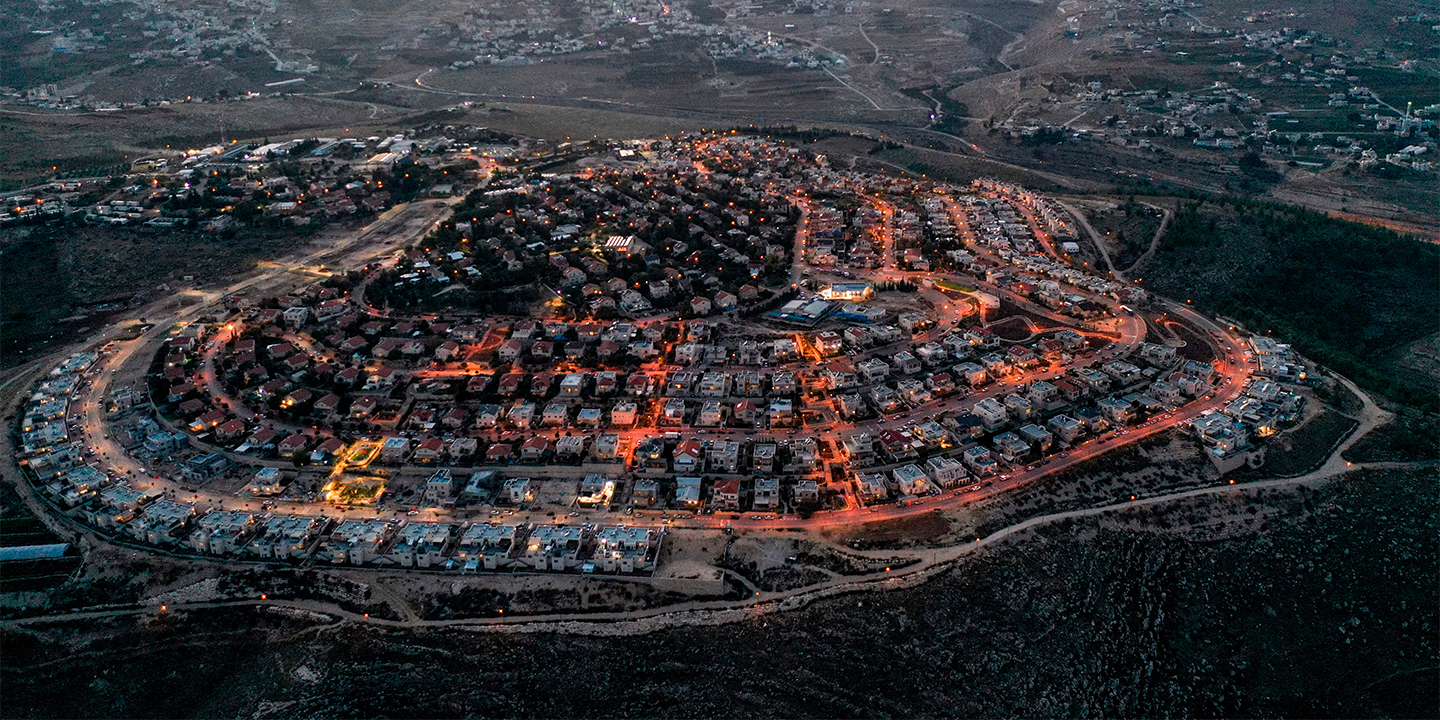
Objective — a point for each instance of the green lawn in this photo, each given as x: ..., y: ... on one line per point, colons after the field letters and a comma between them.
x: 954, y: 287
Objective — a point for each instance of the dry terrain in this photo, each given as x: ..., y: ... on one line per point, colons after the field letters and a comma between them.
x: 1297, y: 604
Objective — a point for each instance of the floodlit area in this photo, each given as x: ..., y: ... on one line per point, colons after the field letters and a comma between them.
x: 823, y: 346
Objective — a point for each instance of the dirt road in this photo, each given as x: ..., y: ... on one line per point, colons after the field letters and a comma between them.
x: 929, y: 563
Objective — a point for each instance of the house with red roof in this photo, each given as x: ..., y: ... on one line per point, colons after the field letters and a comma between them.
x: 292, y: 444
x: 327, y: 451
x: 207, y: 421
x: 230, y: 430
x: 534, y: 449
x: 726, y: 495
x: 499, y: 452
x: 262, y: 438
x: 327, y: 405
x: 363, y: 406
x: 429, y: 450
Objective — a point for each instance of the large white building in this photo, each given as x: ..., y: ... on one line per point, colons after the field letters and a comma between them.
x: 848, y: 291
x: 910, y: 480
x: 945, y: 472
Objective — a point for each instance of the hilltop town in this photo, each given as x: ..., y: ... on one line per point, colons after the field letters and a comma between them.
x: 706, y: 332
x: 698, y: 358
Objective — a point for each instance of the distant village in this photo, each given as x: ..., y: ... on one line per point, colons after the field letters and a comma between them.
x: 1297, y: 96
x: 1292, y: 94
x: 299, y: 183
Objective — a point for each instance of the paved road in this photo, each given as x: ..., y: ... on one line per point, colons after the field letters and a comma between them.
x: 689, y: 614
x: 395, y: 228
x: 405, y: 224
x: 364, y: 247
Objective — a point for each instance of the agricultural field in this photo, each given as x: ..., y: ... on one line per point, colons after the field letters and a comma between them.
x: 957, y: 168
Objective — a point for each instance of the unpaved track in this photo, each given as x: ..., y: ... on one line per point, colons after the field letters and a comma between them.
x: 719, y: 612
x: 1154, y: 241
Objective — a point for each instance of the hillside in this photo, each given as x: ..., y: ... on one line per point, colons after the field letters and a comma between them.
x: 1326, y: 615
x: 1342, y: 293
